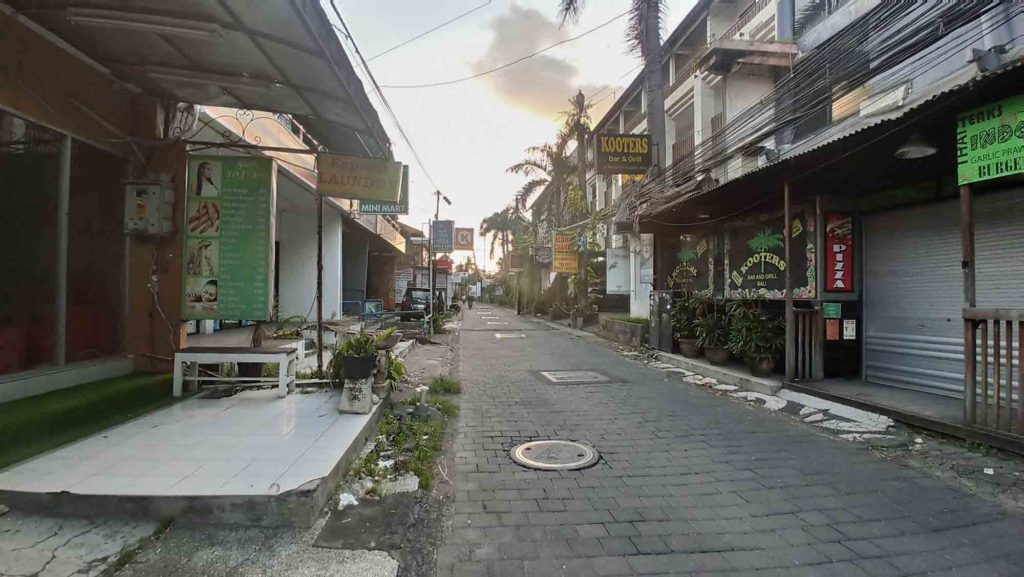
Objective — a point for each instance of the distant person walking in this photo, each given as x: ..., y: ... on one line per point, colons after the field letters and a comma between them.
x: 469, y: 300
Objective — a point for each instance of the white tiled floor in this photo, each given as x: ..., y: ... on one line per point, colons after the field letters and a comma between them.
x: 253, y: 443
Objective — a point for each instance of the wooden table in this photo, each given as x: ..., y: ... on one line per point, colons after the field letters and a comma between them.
x: 284, y: 358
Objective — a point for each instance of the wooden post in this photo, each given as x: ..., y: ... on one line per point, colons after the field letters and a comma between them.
x: 787, y: 228
x: 319, y: 285
x: 970, y: 328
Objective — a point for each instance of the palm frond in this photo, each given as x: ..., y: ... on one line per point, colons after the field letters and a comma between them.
x: 570, y: 10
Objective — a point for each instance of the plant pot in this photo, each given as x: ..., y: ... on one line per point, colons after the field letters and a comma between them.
x: 381, y: 389
x: 390, y: 342
x: 688, y: 347
x: 357, y: 368
x: 761, y: 367
x: 716, y: 355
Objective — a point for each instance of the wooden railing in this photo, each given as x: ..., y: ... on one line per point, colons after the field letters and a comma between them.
x: 682, y: 157
x: 809, y: 344
x: 993, y: 371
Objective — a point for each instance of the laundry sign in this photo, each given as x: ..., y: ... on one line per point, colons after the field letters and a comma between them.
x: 838, y: 253
x: 357, y: 178
x: 990, y: 141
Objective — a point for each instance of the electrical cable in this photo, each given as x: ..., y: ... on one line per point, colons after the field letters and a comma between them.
x: 435, y: 28
x: 508, y: 64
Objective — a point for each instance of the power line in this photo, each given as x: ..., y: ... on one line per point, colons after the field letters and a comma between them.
x: 513, y: 63
x: 417, y: 37
x: 380, y: 94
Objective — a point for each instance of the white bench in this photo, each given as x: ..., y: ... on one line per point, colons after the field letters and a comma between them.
x: 284, y: 358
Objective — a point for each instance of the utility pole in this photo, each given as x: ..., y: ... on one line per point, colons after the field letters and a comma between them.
x: 319, y: 286
x: 433, y: 298
x: 581, y: 179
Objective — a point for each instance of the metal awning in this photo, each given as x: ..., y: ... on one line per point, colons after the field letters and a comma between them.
x: 279, y: 56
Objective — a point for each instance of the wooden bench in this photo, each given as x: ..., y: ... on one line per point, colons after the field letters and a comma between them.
x: 285, y: 359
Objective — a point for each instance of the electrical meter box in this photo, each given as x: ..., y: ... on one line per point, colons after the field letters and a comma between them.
x: 149, y: 208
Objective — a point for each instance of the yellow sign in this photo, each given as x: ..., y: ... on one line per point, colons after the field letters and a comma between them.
x: 564, y: 254
x: 358, y: 178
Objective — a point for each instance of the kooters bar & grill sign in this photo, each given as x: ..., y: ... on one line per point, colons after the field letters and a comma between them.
x: 755, y: 257
x: 990, y: 141
x: 623, y: 153
x: 358, y: 178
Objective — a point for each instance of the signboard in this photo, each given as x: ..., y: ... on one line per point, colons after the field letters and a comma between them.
x: 542, y: 254
x: 228, y: 260
x: 463, y: 239
x: 443, y: 234
x: 382, y: 207
x: 831, y: 329
x: 358, y: 178
x: 515, y: 262
x: 617, y: 271
x: 623, y: 153
x: 839, y: 253
x: 850, y: 330
x: 402, y: 280
x: 990, y: 141
x: 564, y: 257
x: 444, y: 263
x: 647, y: 258
x: 755, y: 262
x: 832, y: 310
x: 693, y: 263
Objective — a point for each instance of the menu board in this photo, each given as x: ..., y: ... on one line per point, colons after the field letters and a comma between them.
x: 228, y: 235
x: 755, y: 257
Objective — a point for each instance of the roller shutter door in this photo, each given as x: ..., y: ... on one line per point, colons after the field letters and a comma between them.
x: 913, y: 287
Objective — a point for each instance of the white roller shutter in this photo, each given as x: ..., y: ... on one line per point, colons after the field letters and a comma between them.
x: 913, y: 287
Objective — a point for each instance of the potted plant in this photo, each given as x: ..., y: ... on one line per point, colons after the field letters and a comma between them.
x: 755, y: 336
x: 684, y: 315
x: 359, y: 354
x: 387, y: 339
x: 711, y: 328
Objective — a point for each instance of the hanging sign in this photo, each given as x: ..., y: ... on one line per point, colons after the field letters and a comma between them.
x: 228, y: 260
x: 839, y: 253
x: 564, y: 256
x: 623, y: 153
x: 382, y: 207
x: 755, y: 257
x: 463, y: 239
x: 990, y: 141
x: 443, y: 234
x: 358, y: 178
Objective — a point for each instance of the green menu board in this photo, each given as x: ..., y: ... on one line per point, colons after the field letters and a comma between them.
x: 228, y: 233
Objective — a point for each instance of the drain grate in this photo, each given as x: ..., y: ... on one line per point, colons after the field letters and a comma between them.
x: 554, y: 455
x: 575, y: 377
x: 509, y: 336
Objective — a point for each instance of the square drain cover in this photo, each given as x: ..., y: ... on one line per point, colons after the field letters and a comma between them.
x: 575, y: 377
x: 509, y: 336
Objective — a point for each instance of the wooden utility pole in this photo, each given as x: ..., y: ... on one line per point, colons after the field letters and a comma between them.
x: 970, y: 301
x: 787, y: 227
x: 319, y: 286
x: 581, y: 178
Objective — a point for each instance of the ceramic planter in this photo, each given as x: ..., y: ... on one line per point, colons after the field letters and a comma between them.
x: 688, y: 347
x: 762, y: 367
x: 716, y: 355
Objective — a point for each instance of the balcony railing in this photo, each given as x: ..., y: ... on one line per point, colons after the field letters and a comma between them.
x: 682, y: 157
x: 746, y: 17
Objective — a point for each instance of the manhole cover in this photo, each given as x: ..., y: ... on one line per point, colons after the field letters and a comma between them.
x: 490, y: 317
x: 509, y: 336
x: 496, y: 323
x: 575, y: 377
x: 554, y: 455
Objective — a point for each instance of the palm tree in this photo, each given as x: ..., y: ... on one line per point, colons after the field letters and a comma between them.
x: 643, y: 37
x: 501, y: 226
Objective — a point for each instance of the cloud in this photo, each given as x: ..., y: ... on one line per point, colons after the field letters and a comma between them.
x: 541, y: 85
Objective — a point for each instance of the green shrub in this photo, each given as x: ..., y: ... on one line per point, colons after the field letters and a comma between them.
x: 446, y: 385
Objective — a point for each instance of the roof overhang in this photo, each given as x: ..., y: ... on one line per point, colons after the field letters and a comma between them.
x: 281, y: 56
x: 725, y: 55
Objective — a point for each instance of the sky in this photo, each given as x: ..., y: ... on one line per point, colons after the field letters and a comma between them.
x: 467, y: 134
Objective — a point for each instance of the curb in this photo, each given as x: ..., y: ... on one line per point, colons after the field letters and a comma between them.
x: 726, y: 375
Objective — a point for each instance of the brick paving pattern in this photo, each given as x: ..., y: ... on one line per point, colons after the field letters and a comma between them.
x: 688, y: 483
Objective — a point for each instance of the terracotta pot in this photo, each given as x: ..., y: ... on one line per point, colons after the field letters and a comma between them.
x: 762, y: 367
x: 716, y: 355
x: 688, y: 347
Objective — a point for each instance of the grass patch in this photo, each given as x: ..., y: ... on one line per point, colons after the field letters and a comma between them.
x: 414, y: 445
x: 447, y: 408
x: 38, y: 424
x: 634, y: 320
x: 445, y: 385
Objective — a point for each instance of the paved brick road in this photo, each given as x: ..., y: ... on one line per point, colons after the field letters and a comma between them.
x: 689, y: 483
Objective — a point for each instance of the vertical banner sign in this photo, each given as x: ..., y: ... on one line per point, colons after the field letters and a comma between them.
x: 358, y: 178
x: 838, y: 253
x: 229, y: 237
x: 647, y: 258
x: 382, y: 207
x: 463, y: 239
x: 617, y: 270
x: 990, y: 141
x: 443, y: 234
x: 564, y: 256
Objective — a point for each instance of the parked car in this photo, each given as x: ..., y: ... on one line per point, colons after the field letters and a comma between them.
x: 415, y: 303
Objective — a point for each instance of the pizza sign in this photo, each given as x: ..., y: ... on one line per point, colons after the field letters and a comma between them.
x: 839, y: 253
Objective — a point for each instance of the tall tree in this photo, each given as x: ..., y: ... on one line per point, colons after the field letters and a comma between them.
x: 643, y: 37
x: 501, y: 226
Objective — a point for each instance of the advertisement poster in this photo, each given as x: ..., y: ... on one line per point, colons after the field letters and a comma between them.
x: 402, y: 279
x: 229, y: 238
x: 647, y: 258
x: 693, y: 263
x: 564, y: 256
x: 755, y: 261
x: 623, y: 153
x: 617, y: 263
x: 357, y: 178
x: 839, y: 253
x: 382, y: 207
x: 443, y: 234
x: 990, y: 141
x: 463, y: 239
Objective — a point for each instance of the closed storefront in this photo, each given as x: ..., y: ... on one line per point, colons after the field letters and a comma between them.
x: 913, y: 287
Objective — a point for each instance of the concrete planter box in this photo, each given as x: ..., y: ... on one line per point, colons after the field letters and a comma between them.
x: 622, y: 332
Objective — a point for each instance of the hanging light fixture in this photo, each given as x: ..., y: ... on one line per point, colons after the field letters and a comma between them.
x: 915, y: 147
